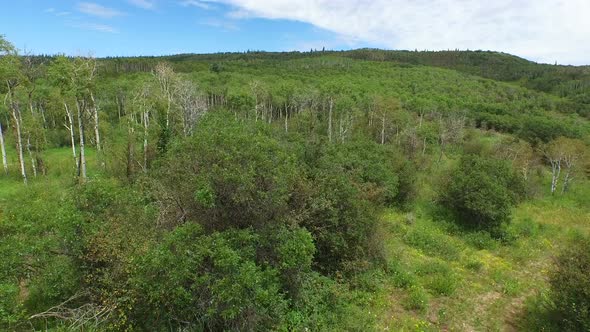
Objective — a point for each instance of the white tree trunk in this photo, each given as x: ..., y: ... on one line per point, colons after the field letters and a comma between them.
x: 168, y: 110
x: 286, y: 120
x: 82, y: 170
x: 3, y: 147
x: 555, y: 172
x: 19, y: 140
x: 566, y: 182
x: 72, y: 137
x: 33, y: 162
x: 96, y: 126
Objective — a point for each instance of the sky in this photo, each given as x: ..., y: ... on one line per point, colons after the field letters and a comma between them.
x: 545, y: 31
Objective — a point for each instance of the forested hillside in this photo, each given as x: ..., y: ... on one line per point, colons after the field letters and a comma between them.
x: 322, y: 191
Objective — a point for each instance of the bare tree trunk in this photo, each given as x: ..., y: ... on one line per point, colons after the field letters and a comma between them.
x: 96, y: 127
x: 42, y: 111
x: 424, y: 146
x: 19, y: 140
x: 566, y: 182
x: 286, y: 120
x: 72, y: 136
x: 31, y: 103
x: 118, y: 107
x: 33, y: 162
x: 82, y: 170
x: 168, y: 111
x: 256, y: 108
x: 420, y: 123
x: 555, y: 172
x: 130, y: 150
x: 3, y: 147
x: 330, y: 119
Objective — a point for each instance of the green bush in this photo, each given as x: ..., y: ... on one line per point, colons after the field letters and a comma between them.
x: 341, y: 222
x: 210, y: 282
x: 417, y: 299
x: 227, y: 175
x: 401, y: 277
x: 371, y: 167
x: 482, y: 192
x: 445, y: 284
x: 570, y: 286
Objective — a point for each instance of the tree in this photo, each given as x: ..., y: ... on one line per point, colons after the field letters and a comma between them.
x: 166, y: 78
x: 450, y: 130
x: 76, y: 79
x: 260, y: 94
x: 3, y: 148
x: 227, y: 174
x: 215, y: 283
x: 385, y: 108
x: 143, y: 103
x: 521, y: 154
x: 564, y: 154
x: 12, y: 75
x: 481, y: 192
x: 191, y: 102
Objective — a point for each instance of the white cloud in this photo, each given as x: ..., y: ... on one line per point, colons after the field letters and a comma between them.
x: 541, y: 30
x: 145, y: 4
x: 95, y: 9
x: 97, y: 27
x: 221, y: 24
x: 203, y: 4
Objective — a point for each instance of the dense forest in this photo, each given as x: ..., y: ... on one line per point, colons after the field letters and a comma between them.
x: 305, y: 191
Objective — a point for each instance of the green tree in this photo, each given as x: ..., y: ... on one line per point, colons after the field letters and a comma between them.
x: 482, y: 192
x: 11, y: 74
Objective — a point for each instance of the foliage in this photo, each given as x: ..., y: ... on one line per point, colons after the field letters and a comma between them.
x: 208, y: 282
x: 262, y: 191
x: 482, y: 192
x: 570, y: 286
x: 228, y: 175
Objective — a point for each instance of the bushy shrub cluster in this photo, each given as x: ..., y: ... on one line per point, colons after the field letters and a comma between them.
x: 481, y: 192
x: 570, y: 286
x: 234, y: 229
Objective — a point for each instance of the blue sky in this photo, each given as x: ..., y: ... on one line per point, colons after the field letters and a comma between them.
x: 109, y: 28
x: 540, y: 30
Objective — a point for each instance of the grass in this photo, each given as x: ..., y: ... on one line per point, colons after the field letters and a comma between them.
x: 440, y: 278
x: 60, y: 170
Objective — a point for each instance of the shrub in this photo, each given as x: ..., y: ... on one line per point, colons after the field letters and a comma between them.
x: 570, y: 285
x: 400, y: 277
x: 417, y: 299
x: 372, y: 168
x: 209, y: 282
x: 226, y: 175
x: 444, y: 284
x: 481, y: 193
x: 340, y: 221
x: 37, y: 268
